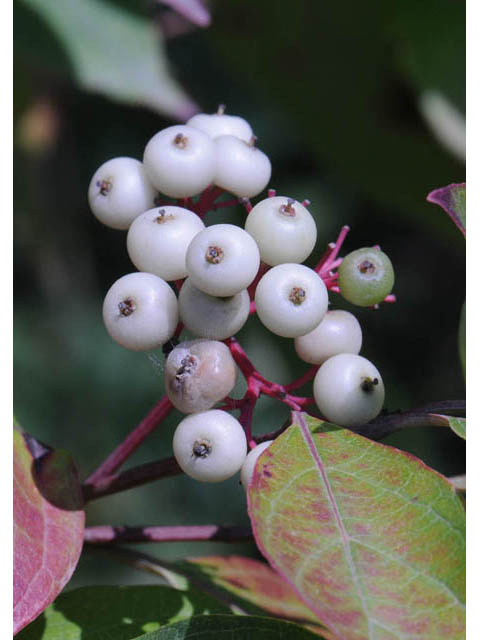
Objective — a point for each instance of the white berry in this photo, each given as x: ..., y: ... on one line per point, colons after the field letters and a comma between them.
x: 210, y: 446
x: 222, y: 260
x: 338, y: 332
x: 284, y: 230
x: 248, y: 466
x: 221, y: 124
x: 180, y: 161
x: 158, y: 240
x: 140, y: 311
x: 209, y: 316
x: 119, y: 192
x: 348, y: 390
x: 199, y: 373
x: 242, y: 169
x: 291, y: 300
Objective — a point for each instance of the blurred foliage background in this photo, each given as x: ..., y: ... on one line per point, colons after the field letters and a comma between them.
x: 360, y: 108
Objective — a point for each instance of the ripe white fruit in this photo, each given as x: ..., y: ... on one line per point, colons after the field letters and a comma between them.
x: 119, y: 192
x: 140, y: 311
x: 222, y: 260
x: 211, y: 317
x: 348, y: 390
x: 221, y: 124
x: 198, y: 374
x: 158, y: 240
x: 338, y: 332
x: 291, y: 300
x: 242, y: 169
x: 210, y: 446
x: 284, y: 230
x: 180, y: 161
x: 248, y: 466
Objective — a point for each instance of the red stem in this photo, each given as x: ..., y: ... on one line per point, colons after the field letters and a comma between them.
x: 299, y: 382
x: 326, y: 262
x: 106, y: 534
x: 206, y: 201
x: 262, y: 270
x: 124, y: 450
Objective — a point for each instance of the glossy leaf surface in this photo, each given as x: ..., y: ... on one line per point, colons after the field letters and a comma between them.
x: 48, y: 525
x: 240, y: 585
x: 372, y: 539
x: 122, y: 613
x: 220, y: 627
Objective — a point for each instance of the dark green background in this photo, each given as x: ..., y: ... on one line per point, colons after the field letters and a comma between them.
x: 332, y: 91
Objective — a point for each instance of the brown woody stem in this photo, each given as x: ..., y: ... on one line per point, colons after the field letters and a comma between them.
x: 131, y: 478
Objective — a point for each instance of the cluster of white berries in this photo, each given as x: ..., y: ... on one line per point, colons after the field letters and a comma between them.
x: 216, y: 265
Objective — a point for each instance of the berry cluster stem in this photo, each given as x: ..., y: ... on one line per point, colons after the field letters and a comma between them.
x: 258, y: 385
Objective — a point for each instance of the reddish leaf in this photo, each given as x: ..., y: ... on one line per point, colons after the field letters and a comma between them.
x: 48, y: 525
x: 370, y: 537
x: 251, y: 582
x: 452, y: 199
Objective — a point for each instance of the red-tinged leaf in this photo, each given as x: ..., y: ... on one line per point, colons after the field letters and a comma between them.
x: 48, y: 524
x: 452, y: 199
x: 246, y: 586
x: 246, y: 581
x: 370, y: 537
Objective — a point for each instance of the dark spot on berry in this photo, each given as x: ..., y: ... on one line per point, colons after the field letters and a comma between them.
x: 367, y: 267
x: 126, y: 307
x: 297, y: 295
x: 368, y: 384
x: 104, y: 187
x: 163, y: 217
x: 187, y: 365
x: 180, y: 141
x: 201, y: 449
x: 214, y: 255
x: 288, y: 209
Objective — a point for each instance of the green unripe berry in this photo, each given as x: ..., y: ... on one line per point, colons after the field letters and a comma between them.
x: 366, y: 277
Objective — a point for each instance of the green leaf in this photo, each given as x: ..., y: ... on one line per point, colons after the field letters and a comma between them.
x: 218, y: 627
x: 122, y: 613
x: 372, y: 539
x: 453, y: 200
x: 462, y: 339
x: 48, y: 524
x: 242, y: 585
x: 110, y: 51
